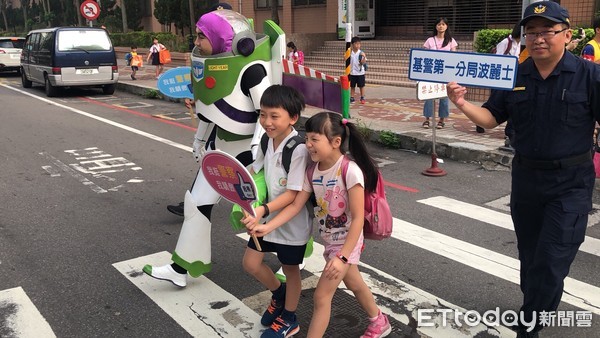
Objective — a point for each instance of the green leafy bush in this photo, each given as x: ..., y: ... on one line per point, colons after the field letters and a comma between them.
x: 488, y: 38
x: 589, y: 34
x: 144, y: 40
x: 389, y: 139
x: 152, y: 94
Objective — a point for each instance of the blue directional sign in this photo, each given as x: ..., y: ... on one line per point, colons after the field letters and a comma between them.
x: 470, y: 69
x: 176, y: 83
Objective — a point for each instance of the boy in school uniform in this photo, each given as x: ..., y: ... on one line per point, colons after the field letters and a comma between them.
x: 280, y: 110
x: 358, y: 59
x: 135, y: 62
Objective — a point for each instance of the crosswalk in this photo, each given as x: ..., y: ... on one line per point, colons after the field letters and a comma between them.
x: 204, y: 309
x: 20, y: 318
x: 389, y: 288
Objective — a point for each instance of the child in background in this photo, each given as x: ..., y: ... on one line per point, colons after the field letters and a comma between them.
x: 280, y: 108
x: 135, y: 62
x: 357, y: 70
x: 340, y: 215
x: 154, y: 54
x: 292, y: 52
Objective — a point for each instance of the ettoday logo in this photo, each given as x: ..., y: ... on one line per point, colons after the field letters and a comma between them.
x: 509, y: 318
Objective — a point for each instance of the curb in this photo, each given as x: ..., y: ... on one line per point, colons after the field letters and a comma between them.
x: 445, y: 148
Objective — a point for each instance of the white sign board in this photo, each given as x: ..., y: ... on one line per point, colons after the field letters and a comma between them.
x: 430, y: 90
x: 470, y: 69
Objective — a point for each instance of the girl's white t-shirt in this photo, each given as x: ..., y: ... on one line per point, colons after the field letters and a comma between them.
x: 296, y: 231
x: 333, y: 210
x: 157, y: 47
x: 292, y: 55
x: 435, y: 43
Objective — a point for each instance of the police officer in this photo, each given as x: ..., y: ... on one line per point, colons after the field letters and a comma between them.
x: 553, y: 107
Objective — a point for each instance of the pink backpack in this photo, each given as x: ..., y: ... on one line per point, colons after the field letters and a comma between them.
x: 378, y: 217
x: 300, y: 57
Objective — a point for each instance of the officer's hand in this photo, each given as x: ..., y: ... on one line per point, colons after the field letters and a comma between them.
x: 456, y: 94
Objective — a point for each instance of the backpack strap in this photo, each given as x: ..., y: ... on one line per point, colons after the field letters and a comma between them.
x: 288, y: 149
x: 345, y: 164
x: 310, y: 170
x: 264, y: 143
x: 508, y: 45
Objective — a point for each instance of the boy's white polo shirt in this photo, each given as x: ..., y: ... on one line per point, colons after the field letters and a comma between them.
x: 298, y: 230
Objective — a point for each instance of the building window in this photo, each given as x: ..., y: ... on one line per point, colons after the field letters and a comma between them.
x: 267, y: 3
x: 307, y: 2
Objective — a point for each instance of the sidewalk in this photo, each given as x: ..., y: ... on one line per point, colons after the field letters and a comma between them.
x: 393, y: 109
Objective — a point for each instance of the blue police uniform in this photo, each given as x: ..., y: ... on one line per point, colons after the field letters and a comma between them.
x: 552, y: 171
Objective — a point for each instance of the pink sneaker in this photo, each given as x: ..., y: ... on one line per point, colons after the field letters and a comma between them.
x: 380, y: 327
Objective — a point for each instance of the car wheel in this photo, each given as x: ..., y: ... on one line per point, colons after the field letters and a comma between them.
x: 24, y: 81
x: 108, y: 89
x: 51, y: 91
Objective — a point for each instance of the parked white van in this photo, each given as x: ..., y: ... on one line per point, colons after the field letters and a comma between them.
x: 69, y: 57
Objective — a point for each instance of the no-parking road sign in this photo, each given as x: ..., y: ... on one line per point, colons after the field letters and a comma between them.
x: 90, y: 10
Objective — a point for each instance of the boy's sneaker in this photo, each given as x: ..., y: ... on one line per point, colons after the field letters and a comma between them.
x: 282, y: 328
x: 351, y: 99
x: 362, y: 100
x: 272, y: 312
x: 380, y: 327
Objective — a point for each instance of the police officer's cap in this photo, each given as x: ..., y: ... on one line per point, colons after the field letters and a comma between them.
x: 546, y: 9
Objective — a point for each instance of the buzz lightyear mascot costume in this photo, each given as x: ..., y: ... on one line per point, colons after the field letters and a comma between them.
x: 228, y: 86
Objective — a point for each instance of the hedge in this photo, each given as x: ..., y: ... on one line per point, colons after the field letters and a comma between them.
x: 144, y: 39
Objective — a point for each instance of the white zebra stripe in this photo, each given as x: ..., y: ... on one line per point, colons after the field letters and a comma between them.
x: 22, y: 317
x: 591, y: 245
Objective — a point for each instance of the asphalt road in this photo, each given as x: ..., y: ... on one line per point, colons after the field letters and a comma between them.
x: 84, y: 183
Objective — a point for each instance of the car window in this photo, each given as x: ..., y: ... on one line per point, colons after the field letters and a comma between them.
x: 46, y: 41
x: 34, y: 41
x: 83, y: 40
x: 12, y: 43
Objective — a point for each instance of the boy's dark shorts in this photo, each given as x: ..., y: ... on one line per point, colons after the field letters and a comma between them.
x: 134, y: 68
x: 287, y: 254
x: 357, y: 80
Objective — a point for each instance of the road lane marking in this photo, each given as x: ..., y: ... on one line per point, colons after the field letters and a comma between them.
x: 591, y: 245
x: 107, y: 121
x: 95, y: 188
x: 503, y: 203
x: 20, y: 318
x: 203, y: 308
x: 143, y: 133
